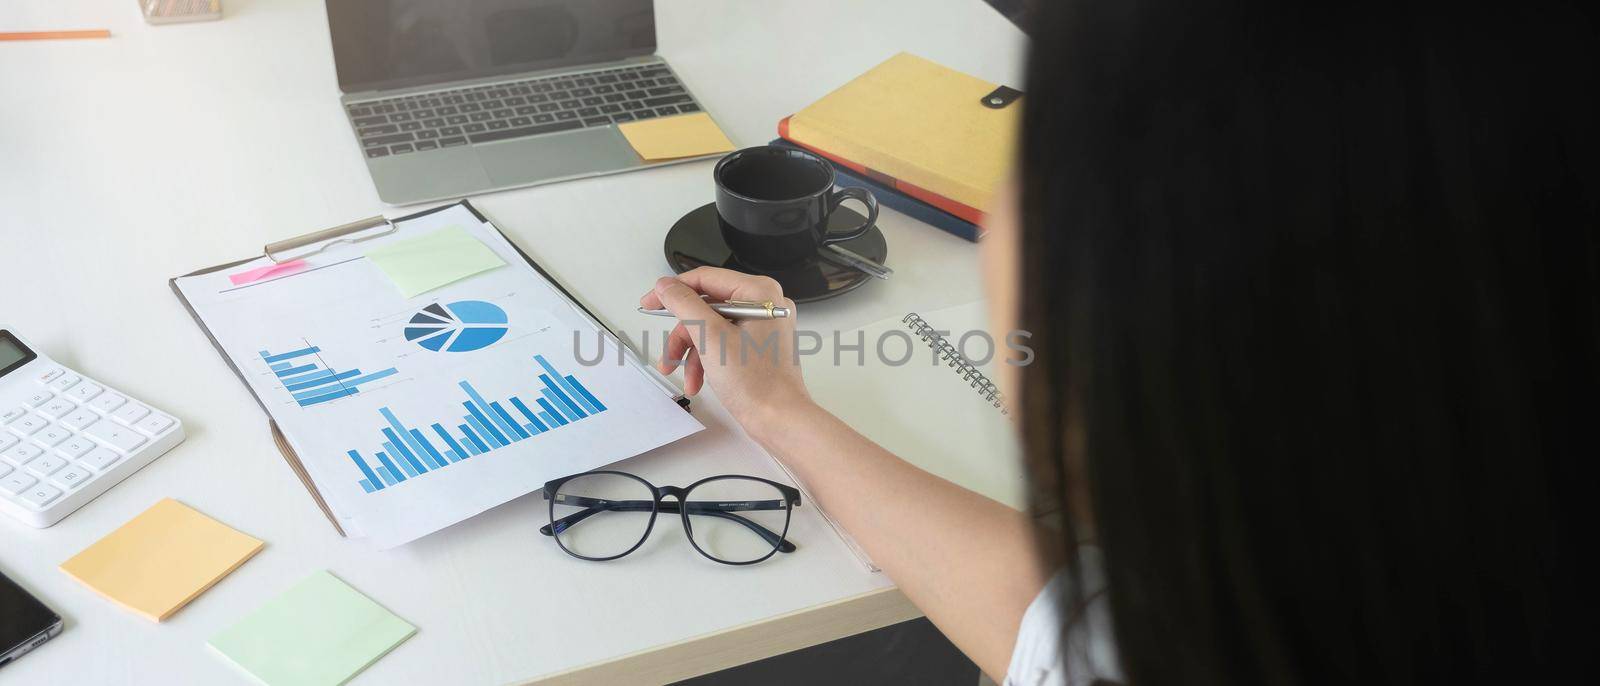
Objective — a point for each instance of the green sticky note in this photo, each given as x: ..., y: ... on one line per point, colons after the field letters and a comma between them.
x: 421, y: 264
x: 320, y: 632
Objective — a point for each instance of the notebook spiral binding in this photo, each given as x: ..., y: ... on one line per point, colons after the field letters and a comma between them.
x: 951, y: 356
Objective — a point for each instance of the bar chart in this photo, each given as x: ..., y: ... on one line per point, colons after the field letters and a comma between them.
x: 409, y: 452
x: 310, y: 381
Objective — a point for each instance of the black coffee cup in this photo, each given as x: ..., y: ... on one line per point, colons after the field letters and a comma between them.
x: 774, y: 203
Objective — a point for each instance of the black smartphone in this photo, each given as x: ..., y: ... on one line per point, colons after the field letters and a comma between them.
x: 25, y: 623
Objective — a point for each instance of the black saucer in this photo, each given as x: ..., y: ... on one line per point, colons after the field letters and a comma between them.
x: 696, y: 241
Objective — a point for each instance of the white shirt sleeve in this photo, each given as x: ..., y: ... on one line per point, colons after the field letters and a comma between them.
x: 1049, y: 651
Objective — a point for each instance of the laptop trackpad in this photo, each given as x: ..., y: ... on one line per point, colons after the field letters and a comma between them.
x: 559, y: 156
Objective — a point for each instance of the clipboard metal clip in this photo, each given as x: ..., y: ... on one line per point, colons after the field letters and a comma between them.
x: 327, y: 238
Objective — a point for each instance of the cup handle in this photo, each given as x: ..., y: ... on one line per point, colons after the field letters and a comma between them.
x: 865, y: 197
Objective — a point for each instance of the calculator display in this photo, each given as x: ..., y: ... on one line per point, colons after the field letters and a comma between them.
x: 13, y: 353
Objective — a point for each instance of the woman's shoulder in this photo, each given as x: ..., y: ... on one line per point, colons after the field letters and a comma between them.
x: 1058, y: 645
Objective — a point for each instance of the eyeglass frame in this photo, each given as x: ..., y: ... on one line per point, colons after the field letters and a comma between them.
x: 791, y: 500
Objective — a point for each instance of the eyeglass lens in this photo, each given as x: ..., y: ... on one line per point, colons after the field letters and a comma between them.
x: 736, y: 520
x: 601, y: 516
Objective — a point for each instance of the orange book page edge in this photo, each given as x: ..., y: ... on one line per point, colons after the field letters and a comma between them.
x: 967, y: 212
x: 54, y: 35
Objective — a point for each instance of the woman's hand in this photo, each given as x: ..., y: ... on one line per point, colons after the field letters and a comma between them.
x: 751, y: 364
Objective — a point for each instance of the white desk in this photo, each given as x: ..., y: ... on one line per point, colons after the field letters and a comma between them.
x: 127, y: 161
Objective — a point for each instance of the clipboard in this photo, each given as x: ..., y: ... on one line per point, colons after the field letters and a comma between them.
x: 356, y: 232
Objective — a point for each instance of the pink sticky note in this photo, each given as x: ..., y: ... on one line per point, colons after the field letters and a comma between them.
x: 259, y: 273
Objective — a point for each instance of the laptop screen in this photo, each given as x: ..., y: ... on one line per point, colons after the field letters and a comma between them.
x: 397, y: 43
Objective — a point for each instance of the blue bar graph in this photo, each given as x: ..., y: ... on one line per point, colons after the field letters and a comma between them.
x: 517, y: 403
x: 291, y: 371
x: 412, y: 451
x: 405, y: 465
x: 506, y: 416
x: 310, y: 381
x: 485, y: 433
x: 406, y: 440
x: 472, y: 440
x: 394, y: 445
x: 492, y: 421
x: 271, y: 358
x: 456, y: 453
x: 325, y: 376
x: 594, y: 403
x: 362, y: 465
x: 571, y: 386
x: 550, y: 414
x: 390, y: 469
x: 438, y: 460
x: 550, y: 419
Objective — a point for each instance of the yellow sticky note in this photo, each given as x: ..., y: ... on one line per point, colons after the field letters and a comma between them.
x: 421, y: 264
x: 162, y: 559
x: 684, y: 135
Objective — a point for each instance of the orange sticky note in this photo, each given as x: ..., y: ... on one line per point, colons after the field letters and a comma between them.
x: 162, y: 559
x: 683, y: 135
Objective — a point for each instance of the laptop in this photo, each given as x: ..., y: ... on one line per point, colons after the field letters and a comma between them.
x: 448, y: 98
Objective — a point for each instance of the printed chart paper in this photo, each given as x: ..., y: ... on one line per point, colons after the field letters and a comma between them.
x: 412, y: 414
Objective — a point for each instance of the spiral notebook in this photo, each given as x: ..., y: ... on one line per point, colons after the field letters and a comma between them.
x: 949, y: 352
x: 940, y: 409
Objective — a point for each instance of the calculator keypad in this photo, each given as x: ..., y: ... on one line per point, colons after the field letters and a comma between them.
x: 66, y: 432
x: 108, y: 402
x: 84, y: 392
x: 29, y: 425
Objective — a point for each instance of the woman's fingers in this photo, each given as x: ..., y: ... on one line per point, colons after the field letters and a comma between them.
x: 700, y: 330
x: 694, y: 374
x: 680, y: 352
x: 685, y: 303
x: 720, y: 284
x: 678, y: 343
x: 726, y: 284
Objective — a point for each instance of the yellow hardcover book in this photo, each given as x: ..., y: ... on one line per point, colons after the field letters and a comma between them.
x: 920, y: 123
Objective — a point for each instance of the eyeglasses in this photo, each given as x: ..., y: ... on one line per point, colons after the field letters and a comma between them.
x: 735, y: 520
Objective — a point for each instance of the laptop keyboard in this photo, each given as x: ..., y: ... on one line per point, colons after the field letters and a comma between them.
x: 502, y: 111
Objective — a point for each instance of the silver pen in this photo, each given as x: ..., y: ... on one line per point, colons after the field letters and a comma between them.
x: 736, y: 309
x: 850, y: 258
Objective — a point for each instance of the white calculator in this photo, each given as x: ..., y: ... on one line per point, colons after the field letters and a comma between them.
x: 65, y: 438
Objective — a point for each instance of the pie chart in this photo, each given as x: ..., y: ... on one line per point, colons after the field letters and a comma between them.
x: 459, y: 327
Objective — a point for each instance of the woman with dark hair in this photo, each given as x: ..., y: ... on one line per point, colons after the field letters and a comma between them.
x: 1315, y: 297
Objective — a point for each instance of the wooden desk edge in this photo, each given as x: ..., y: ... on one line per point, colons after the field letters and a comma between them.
x: 740, y: 645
